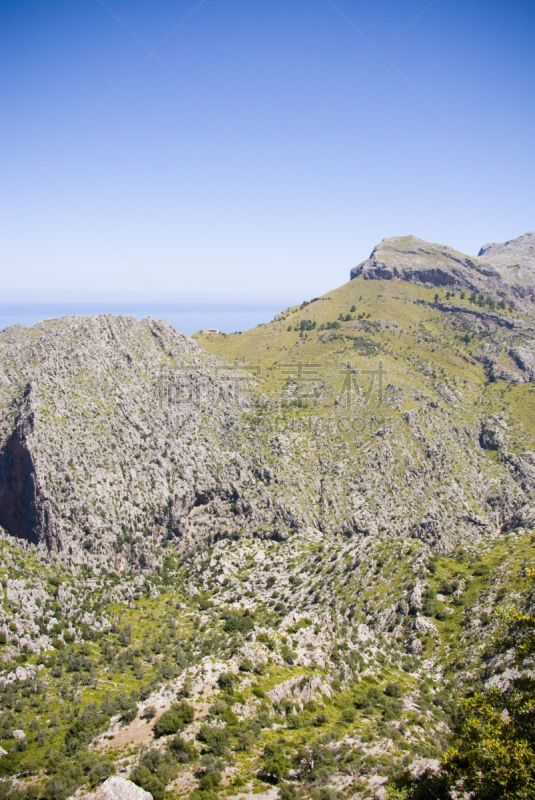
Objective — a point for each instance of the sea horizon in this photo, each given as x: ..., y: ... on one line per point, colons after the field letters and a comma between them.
x: 188, y: 317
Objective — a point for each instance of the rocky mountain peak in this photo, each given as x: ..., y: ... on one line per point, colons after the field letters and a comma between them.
x: 407, y: 258
x: 514, y: 260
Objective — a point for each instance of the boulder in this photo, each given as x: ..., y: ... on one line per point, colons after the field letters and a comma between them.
x: 118, y: 788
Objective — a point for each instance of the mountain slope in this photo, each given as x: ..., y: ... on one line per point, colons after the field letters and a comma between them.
x: 141, y: 436
x: 438, y: 452
x: 297, y: 540
x: 118, y: 434
x: 515, y: 259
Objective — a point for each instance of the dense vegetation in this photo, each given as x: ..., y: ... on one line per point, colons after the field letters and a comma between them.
x: 373, y: 711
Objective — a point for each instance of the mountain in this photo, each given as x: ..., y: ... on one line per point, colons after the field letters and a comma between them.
x: 406, y: 258
x: 288, y: 545
x: 504, y: 270
x: 118, y: 435
x: 514, y: 260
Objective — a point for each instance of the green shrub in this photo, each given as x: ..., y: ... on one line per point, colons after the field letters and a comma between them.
x: 182, y: 750
x: 210, y: 780
x: 239, y: 623
x: 288, y: 655
x: 218, y: 708
x: 226, y: 681
x: 154, y: 771
x: 248, y: 735
x: 375, y: 696
x: 429, y: 602
x: 143, y: 777
x: 203, y: 795
x: 175, y: 719
x: 216, y: 739
x: 348, y: 715
x: 82, y: 768
x: 129, y: 715
x: 275, y: 762
x: 326, y: 793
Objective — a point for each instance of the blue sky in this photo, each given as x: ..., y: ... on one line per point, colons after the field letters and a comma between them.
x: 262, y: 149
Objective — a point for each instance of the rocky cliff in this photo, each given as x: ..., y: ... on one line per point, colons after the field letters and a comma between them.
x: 503, y: 270
x: 514, y: 260
x: 114, y: 432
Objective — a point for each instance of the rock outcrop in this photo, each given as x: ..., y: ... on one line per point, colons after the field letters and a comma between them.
x: 407, y: 258
x: 514, y: 260
x: 117, y: 788
x: 116, y: 435
x: 505, y: 271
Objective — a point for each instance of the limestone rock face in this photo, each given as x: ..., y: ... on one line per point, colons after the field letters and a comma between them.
x: 407, y: 258
x: 514, y: 260
x: 505, y: 271
x: 117, y: 788
x: 117, y: 434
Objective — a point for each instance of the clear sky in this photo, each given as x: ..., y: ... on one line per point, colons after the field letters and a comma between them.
x: 231, y: 150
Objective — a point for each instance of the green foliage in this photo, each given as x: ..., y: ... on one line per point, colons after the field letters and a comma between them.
x: 347, y: 715
x: 65, y: 775
x: 154, y: 771
x: 429, y: 602
x: 325, y: 793
x: 83, y: 727
x: 203, y: 795
x: 288, y: 655
x: 182, y: 750
x: 149, y: 713
x: 226, y: 681
x: 494, y: 755
x: 328, y: 326
x: 216, y: 740
x: 274, y: 762
x: 315, y: 762
x: 238, y: 623
x: 307, y: 325
x: 175, y: 719
x: 129, y: 715
x: 248, y: 734
x: 210, y: 780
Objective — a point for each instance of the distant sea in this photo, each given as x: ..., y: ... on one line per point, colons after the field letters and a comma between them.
x: 188, y: 318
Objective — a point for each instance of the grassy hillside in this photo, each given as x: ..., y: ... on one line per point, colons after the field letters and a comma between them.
x: 399, y: 324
